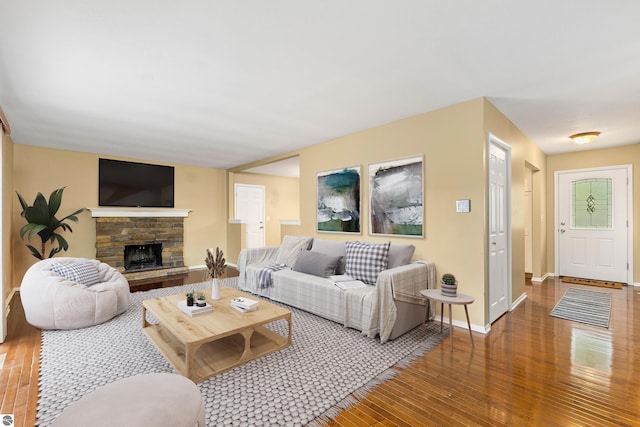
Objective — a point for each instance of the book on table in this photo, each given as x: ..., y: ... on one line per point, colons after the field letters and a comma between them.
x: 344, y: 282
x: 194, y: 310
x: 243, y: 304
x: 242, y: 309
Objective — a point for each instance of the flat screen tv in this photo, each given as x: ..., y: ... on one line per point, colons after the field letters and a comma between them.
x: 135, y: 184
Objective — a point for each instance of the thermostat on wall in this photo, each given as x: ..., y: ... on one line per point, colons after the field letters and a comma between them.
x: 463, y: 205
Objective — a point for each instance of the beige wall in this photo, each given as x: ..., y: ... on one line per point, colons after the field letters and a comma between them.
x: 43, y: 170
x: 453, y: 141
x: 625, y: 155
x: 282, y: 201
x: 453, y: 169
x: 7, y: 201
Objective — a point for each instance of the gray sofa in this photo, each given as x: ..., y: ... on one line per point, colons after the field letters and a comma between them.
x: 388, y: 306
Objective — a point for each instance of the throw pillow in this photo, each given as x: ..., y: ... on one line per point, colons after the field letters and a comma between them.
x: 400, y: 255
x: 82, y: 272
x: 331, y: 247
x: 366, y: 260
x: 316, y: 263
x: 290, y: 249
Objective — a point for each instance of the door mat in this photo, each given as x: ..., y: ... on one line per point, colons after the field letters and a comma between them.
x: 581, y: 305
x: 591, y: 282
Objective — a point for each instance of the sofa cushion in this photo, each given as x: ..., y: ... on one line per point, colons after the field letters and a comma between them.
x: 366, y: 260
x: 332, y: 247
x: 82, y: 272
x: 316, y: 263
x: 290, y: 249
x: 400, y: 255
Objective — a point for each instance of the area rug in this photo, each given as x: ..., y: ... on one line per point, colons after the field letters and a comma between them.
x: 592, y: 282
x: 580, y: 305
x: 294, y: 386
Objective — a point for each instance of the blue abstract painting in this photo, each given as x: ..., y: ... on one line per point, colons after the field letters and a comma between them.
x: 338, y: 207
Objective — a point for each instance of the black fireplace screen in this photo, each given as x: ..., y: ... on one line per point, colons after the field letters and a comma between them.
x: 142, y: 257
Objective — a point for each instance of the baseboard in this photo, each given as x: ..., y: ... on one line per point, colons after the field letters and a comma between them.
x: 462, y: 324
x: 541, y: 279
x: 518, y: 301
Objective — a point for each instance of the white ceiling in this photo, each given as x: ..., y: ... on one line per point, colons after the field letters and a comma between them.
x: 226, y: 83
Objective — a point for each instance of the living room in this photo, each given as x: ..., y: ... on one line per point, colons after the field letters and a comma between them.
x: 205, y: 192
x: 452, y: 140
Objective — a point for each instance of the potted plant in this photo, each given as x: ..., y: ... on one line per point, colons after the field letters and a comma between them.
x: 201, y: 300
x: 190, y: 299
x: 449, y: 285
x: 216, y: 267
x: 41, y: 220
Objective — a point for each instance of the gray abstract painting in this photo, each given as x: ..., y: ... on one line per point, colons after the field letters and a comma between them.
x: 395, y: 196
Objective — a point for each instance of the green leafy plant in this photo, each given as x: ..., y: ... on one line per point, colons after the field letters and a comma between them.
x: 448, y: 279
x: 201, y: 296
x: 189, y: 294
x: 41, y: 220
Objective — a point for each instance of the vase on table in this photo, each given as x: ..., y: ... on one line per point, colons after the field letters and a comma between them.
x: 215, y: 289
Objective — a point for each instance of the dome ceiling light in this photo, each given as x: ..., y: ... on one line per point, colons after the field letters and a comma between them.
x: 584, y: 137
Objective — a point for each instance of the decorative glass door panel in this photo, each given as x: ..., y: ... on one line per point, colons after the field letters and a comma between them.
x: 591, y: 203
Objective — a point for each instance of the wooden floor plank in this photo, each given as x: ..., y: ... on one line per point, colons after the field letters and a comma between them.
x: 531, y: 369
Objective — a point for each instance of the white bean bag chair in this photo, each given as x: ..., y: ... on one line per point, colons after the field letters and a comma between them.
x: 71, y: 293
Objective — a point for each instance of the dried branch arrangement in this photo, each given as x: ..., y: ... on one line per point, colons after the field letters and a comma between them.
x: 215, y: 264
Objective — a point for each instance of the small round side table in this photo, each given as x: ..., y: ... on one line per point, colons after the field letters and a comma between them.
x: 459, y: 299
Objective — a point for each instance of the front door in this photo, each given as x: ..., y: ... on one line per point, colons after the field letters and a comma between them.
x: 592, y: 223
x: 499, y: 226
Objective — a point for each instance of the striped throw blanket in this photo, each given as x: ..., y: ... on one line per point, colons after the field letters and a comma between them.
x: 265, y: 279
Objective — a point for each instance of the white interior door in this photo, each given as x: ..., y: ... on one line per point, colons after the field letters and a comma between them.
x: 499, y: 228
x: 528, y: 220
x: 249, y: 207
x: 592, y: 227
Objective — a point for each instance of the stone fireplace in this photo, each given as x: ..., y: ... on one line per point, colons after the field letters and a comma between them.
x: 137, y: 241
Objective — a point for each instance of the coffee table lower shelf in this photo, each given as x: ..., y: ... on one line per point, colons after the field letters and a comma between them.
x: 203, y: 360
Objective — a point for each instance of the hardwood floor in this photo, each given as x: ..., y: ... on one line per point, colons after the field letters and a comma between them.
x: 532, y: 369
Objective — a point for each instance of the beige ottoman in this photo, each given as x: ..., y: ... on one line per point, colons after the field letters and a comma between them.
x: 157, y: 400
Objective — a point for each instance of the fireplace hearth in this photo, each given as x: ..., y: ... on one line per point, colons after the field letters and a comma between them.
x: 143, y: 257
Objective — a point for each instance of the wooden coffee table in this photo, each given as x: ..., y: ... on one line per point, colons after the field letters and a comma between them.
x: 205, y: 345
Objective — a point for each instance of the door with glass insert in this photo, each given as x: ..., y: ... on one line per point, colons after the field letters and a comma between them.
x: 592, y: 226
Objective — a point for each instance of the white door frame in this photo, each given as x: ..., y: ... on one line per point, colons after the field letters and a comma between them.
x: 493, y: 140
x: 556, y: 221
x: 3, y: 237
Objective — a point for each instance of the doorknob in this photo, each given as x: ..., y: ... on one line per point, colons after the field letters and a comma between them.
x: 562, y: 230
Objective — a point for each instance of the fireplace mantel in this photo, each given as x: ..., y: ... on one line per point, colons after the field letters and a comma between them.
x: 139, y: 212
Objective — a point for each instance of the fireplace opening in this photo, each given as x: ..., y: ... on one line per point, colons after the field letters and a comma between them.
x: 143, y: 257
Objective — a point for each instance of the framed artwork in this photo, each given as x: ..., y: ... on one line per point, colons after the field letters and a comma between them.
x: 338, y: 200
x: 396, y: 197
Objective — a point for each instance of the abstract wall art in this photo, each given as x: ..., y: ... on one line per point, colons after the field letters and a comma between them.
x: 338, y: 200
x: 395, y: 197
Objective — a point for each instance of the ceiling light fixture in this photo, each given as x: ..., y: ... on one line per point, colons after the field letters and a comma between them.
x: 584, y: 137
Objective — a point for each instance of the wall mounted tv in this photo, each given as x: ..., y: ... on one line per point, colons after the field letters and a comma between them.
x: 135, y: 184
